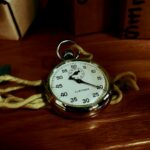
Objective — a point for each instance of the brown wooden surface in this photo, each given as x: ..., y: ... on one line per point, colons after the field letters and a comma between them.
x: 122, y: 126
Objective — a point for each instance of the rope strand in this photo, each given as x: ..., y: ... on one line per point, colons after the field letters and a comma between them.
x: 88, y: 56
x: 20, y: 81
x: 9, y: 101
x: 27, y: 103
x: 10, y: 89
x: 121, y: 81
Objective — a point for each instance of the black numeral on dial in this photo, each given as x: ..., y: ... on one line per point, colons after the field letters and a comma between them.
x: 86, y: 100
x: 100, y: 87
x: 59, y: 77
x: 63, y: 94
x: 59, y: 86
x: 99, y: 78
x: 74, y: 99
x: 73, y: 66
x: 95, y: 94
x: 84, y: 67
x: 64, y: 70
x: 93, y: 71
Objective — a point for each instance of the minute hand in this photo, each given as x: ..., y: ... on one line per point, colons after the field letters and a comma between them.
x: 83, y: 82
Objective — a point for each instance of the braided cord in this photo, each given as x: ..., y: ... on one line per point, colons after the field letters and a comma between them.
x: 87, y: 55
x: 9, y: 101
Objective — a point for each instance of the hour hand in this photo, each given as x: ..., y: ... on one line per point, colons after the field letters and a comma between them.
x: 76, y: 80
x: 76, y: 73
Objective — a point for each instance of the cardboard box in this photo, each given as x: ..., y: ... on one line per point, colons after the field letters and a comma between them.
x: 15, y: 17
x: 86, y: 16
x: 135, y: 20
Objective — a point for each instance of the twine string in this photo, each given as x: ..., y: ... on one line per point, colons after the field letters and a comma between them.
x: 8, y: 100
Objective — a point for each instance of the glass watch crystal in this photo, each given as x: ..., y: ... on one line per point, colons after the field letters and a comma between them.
x: 78, y: 83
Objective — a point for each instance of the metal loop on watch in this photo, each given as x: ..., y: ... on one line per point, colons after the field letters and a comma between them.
x: 62, y: 52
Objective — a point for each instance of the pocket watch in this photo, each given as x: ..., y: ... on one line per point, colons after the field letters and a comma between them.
x: 77, y: 87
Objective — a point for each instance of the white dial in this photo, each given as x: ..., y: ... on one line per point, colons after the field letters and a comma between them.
x: 78, y: 83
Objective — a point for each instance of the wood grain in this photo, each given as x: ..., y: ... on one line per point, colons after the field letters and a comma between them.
x: 122, y: 126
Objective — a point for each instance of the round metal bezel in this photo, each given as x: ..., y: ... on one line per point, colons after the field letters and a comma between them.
x: 87, y: 108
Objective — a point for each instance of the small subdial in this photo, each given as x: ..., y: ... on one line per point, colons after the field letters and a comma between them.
x: 76, y: 73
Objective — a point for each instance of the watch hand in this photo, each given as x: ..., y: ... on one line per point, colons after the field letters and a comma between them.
x: 75, y: 73
x: 83, y: 82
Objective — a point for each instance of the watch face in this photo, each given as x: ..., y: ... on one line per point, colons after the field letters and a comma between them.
x: 78, y: 84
